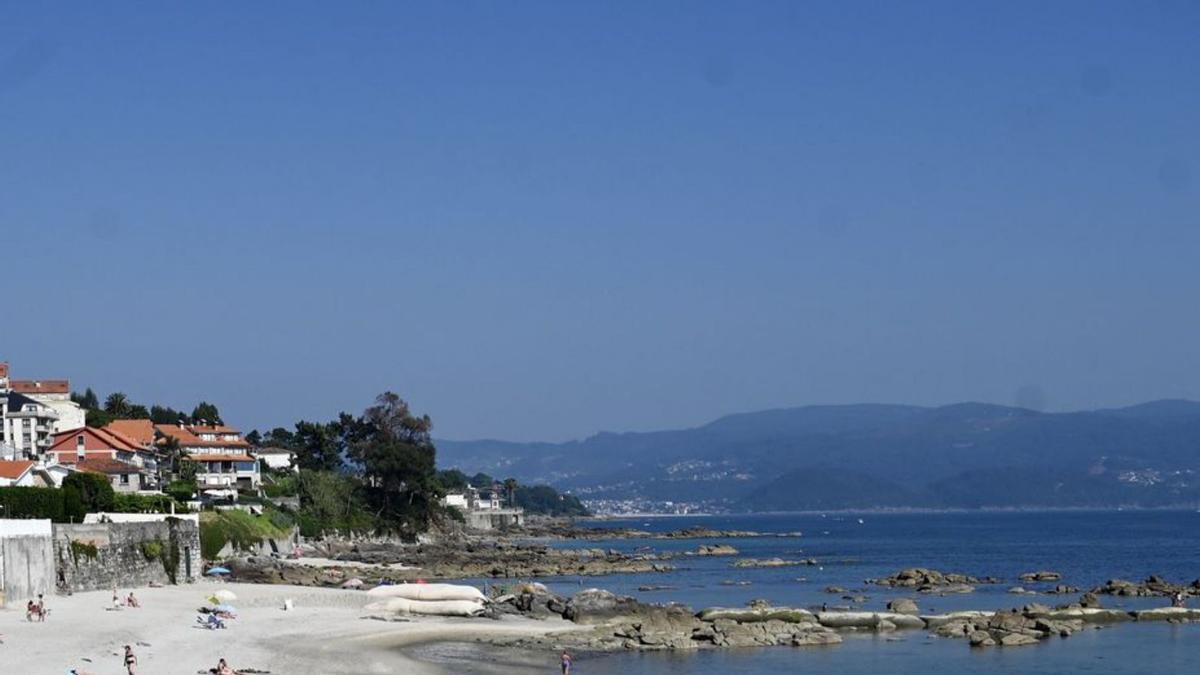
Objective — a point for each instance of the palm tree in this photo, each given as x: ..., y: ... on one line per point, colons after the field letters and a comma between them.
x: 117, y: 405
x: 510, y: 486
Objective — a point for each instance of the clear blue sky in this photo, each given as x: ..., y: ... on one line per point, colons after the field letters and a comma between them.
x: 539, y: 220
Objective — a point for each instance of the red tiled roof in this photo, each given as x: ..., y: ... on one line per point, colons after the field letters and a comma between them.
x: 138, y: 431
x: 187, y: 436
x: 106, y: 466
x: 41, y: 386
x: 93, y: 439
x: 203, y: 457
x: 13, y: 470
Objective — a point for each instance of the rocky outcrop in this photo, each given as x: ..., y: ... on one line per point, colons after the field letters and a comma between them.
x: 451, y: 559
x: 880, y: 621
x: 757, y: 614
x: 716, y: 549
x: 932, y: 581
x: 1152, y: 586
x: 1006, y: 629
x: 903, y: 606
x: 1040, y: 576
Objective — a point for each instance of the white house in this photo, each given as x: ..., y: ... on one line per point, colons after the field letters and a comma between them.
x: 279, y: 459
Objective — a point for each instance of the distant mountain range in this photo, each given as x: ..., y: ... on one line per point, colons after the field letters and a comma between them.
x: 967, y: 455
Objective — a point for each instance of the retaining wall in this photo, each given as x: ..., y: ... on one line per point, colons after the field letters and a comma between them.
x: 103, y: 556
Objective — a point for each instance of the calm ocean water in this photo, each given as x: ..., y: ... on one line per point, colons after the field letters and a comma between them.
x: 1087, y: 547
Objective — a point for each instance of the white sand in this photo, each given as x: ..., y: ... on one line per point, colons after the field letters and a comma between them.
x: 323, y: 634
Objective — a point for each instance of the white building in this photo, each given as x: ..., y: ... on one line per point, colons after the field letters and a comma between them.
x: 27, y: 427
x: 280, y: 459
x: 31, y: 412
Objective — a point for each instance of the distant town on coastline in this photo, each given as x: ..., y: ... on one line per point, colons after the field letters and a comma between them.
x: 840, y: 457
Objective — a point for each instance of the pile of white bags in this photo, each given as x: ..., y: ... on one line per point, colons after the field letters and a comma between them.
x: 426, y: 600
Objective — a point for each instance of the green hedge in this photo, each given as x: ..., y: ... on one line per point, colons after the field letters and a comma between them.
x: 34, y: 502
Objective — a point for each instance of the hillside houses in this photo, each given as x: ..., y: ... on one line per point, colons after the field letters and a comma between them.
x: 44, y: 437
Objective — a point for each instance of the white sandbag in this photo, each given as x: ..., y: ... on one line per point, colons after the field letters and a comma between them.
x: 428, y: 592
x: 404, y: 606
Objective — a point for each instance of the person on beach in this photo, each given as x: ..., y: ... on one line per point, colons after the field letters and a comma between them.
x: 132, y: 601
x: 566, y: 663
x: 130, y: 660
x: 224, y: 669
x: 41, y: 608
x: 30, y: 610
x: 1177, y: 599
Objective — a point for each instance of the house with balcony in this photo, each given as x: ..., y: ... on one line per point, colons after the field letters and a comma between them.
x: 222, y: 457
x: 26, y: 426
x: 31, y: 412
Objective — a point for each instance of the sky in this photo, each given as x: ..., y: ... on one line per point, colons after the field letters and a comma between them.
x: 539, y: 220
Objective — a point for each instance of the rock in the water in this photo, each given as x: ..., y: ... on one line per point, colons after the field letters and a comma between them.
x: 716, y: 549
x: 1041, y: 576
x: 903, y: 606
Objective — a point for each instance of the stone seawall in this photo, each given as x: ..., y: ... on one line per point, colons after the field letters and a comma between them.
x: 103, y: 556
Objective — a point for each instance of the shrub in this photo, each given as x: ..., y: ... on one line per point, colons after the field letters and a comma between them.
x: 239, y: 528
x: 152, y: 549
x: 133, y: 503
x: 84, y: 549
x: 95, y: 491
x: 181, y: 490
x: 33, y: 502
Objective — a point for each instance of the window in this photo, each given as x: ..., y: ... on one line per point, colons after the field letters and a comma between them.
x: 79, y: 442
x: 124, y: 479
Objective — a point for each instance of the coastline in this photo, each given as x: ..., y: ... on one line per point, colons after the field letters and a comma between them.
x: 324, y: 633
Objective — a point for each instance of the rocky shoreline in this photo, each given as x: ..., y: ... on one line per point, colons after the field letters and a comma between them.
x: 623, y: 623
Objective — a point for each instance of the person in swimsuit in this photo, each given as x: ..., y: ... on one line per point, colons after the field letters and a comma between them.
x: 566, y: 663
x: 130, y: 660
x: 41, y: 608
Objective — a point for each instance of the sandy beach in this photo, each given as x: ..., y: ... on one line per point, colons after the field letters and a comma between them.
x: 322, y: 634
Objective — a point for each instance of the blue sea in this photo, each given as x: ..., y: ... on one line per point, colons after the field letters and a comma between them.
x: 1087, y: 547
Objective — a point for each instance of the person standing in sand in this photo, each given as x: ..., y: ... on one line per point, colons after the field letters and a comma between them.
x: 130, y: 660
x: 566, y: 663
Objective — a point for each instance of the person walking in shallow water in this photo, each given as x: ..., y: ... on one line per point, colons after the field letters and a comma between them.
x: 566, y: 663
x: 130, y: 660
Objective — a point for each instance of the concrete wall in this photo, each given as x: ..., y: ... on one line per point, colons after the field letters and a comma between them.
x: 103, y: 556
x: 494, y: 519
x: 26, y: 568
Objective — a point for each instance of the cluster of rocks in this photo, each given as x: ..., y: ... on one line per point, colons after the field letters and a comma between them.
x: 716, y: 549
x: 1009, y: 629
x: 454, y: 559
x: 1032, y: 577
x: 932, y: 581
x: 622, y: 623
x: 1151, y: 587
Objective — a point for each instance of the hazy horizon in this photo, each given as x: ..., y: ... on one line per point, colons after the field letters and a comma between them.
x: 537, y: 221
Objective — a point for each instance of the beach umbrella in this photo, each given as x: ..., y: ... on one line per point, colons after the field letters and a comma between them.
x: 352, y: 583
x: 224, y: 596
x: 217, y: 570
